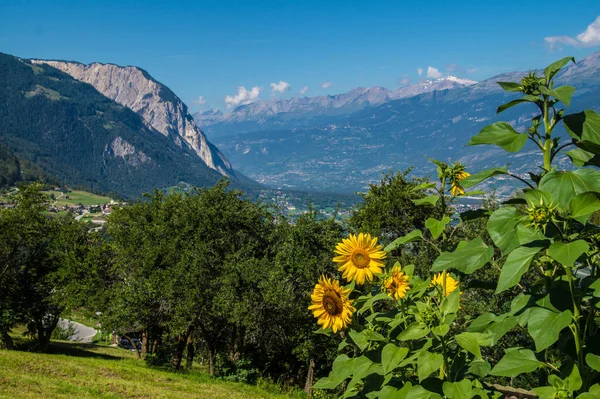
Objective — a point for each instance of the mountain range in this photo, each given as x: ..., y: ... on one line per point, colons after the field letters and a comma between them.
x: 104, y: 127
x: 343, y: 143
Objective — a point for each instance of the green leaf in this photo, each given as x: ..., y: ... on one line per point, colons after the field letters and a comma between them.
x: 574, y: 379
x: 526, y: 99
x: 583, y: 206
x: 564, y: 93
x: 467, y: 257
x: 418, y: 392
x: 501, y: 227
x: 593, y: 361
x: 458, y: 390
x: 450, y: 303
x: 428, y: 363
x: 544, y: 326
x: 414, y: 331
x: 568, y: 253
x: 565, y: 185
x: 390, y: 392
x: 516, y: 361
x: 553, y: 68
x: 429, y: 200
x: 436, y: 227
x: 391, y: 356
x: 480, y: 368
x: 342, y: 368
x: 584, y: 126
x: 423, y: 186
x: 359, y: 339
x: 511, y: 86
x: 370, y: 301
x: 581, y: 157
x: 470, y: 342
x: 501, y: 134
x: 415, y: 235
x: 516, y: 264
x: 477, y: 178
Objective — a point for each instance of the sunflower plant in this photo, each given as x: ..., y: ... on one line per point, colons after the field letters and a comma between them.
x: 401, y: 335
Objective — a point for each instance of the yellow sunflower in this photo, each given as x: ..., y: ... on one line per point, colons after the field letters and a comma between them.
x: 397, y: 284
x: 451, y: 283
x: 330, y: 304
x: 456, y: 189
x: 359, y: 258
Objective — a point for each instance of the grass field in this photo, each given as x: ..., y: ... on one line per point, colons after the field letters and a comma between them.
x: 91, y: 371
x: 78, y: 197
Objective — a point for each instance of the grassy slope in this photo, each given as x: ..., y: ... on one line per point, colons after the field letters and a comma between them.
x: 87, y: 371
x: 77, y: 197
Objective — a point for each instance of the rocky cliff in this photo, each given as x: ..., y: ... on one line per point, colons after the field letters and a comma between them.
x: 158, y: 106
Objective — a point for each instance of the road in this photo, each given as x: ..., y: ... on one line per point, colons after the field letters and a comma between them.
x: 82, y: 333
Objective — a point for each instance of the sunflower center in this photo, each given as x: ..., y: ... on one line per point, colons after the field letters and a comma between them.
x: 360, y: 258
x: 332, y: 302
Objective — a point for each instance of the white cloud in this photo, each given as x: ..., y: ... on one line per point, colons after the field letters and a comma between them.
x: 472, y: 70
x: 404, y: 80
x: 243, y: 96
x: 200, y: 100
x: 590, y: 37
x: 304, y: 90
x: 326, y: 84
x: 451, y: 67
x: 280, y: 87
x: 420, y: 71
x: 433, y: 73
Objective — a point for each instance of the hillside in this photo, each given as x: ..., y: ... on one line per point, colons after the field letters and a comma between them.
x: 83, y: 138
x: 88, y: 371
x: 346, y: 152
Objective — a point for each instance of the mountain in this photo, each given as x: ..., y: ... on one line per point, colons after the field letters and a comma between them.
x: 158, y: 106
x: 296, y: 111
x: 347, y: 152
x: 81, y: 137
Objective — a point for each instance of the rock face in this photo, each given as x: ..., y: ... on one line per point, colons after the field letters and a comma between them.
x: 158, y: 106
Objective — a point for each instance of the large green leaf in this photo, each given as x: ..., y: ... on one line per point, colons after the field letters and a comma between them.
x: 564, y: 93
x: 428, y: 363
x: 343, y: 368
x: 544, y: 326
x: 583, y: 206
x: 501, y: 134
x: 415, y: 235
x: 568, y: 253
x: 516, y: 361
x: 501, y: 227
x: 581, y: 157
x: 458, y: 390
x: 513, y: 87
x: 391, y: 356
x: 477, y: 178
x: 359, y: 339
x: 436, y: 227
x: 429, y: 200
x: 450, y: 303
x: 593, y: 361
x: 470, y: 342
x: 584, y: 126
x: 526, y: 99
x: 414, y: 331
x: 565, y: 185
x: 516, y: 265
x: 556, y: 66
x: 467, y: 257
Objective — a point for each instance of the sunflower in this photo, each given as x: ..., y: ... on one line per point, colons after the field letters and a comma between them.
x: 457, y: 176
x: 359, y: 258
x: 397, y: 284
x: 330, y: 304
x: 451, y: 283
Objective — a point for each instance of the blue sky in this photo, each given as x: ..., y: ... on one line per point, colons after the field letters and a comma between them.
x: 211, y: 48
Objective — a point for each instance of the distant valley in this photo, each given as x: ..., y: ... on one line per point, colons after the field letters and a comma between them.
x: 343, y: 143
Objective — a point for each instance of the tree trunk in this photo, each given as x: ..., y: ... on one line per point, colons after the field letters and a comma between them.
x: 189, y: 361
x: 212, y: 357
x: 144, y: 342
x: 137, y: 351
x: 310, y: 377
x: 156, y: 343
x: 7, y: 341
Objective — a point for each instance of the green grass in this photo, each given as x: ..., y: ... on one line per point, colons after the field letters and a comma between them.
x: 91, y: 371
x: 78, y: 197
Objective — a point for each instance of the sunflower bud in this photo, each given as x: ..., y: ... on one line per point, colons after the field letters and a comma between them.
x: 531, y: 84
